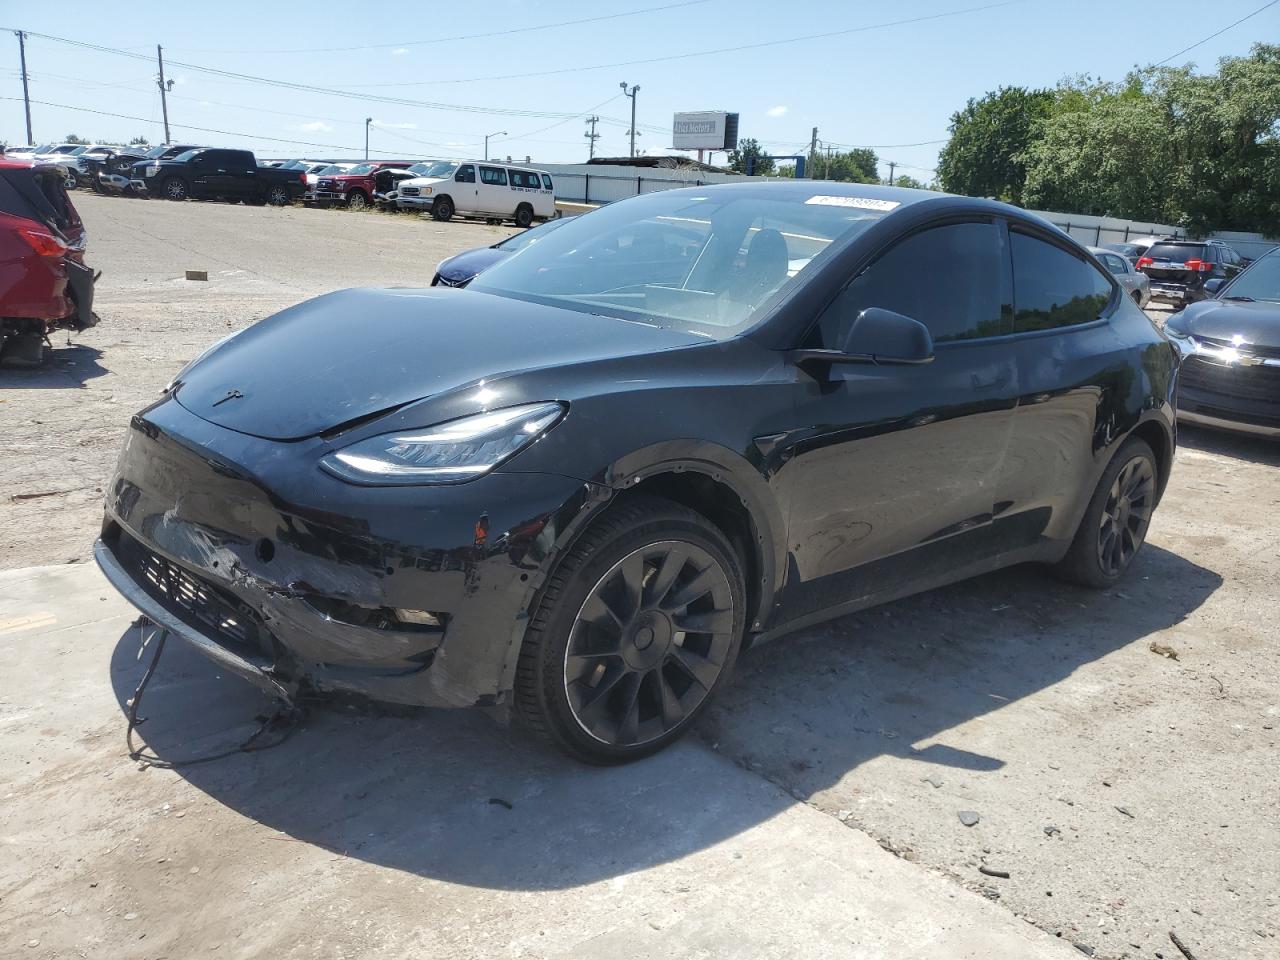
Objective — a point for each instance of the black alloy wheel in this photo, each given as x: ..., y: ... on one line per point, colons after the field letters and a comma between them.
x: 1114, y: 525
x: 1126, y: 515
x: 175, y: 188
x: 637, y: 628
x: 278, y: 197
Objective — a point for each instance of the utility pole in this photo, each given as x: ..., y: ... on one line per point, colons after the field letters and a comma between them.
x: 592, y: 137
x: 892, y: 166
x: 500, y: 133
x: 367, y: 121
x: 164, y: 90
x: 634, y: 90
x: 813, y: 150
x: 26, y: 96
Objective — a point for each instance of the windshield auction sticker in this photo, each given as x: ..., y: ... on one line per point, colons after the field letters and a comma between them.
x: 864, y: 203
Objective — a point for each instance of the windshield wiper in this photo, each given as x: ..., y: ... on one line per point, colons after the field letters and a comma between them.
x: 1237, y: 296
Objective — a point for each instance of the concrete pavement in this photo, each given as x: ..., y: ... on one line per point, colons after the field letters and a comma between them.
x: 382, y: 836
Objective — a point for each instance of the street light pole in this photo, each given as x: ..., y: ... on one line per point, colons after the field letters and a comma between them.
x: 500, y: 133
x: 367, y: 121
x: 634, y: 90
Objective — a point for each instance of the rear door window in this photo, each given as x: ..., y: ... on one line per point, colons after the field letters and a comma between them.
x: 1053, y: 287
x: 1114, y: 263
x: 951, y: 278
x: 494, y: 176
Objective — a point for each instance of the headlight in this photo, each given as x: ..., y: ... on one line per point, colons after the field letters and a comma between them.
x: 451, y: 452
x: 153, y: 169
x: 426, y: 191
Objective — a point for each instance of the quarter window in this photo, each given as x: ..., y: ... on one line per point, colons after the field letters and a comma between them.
x: 950, y: 278
x: 1053, y: 287
x: 494, y: 176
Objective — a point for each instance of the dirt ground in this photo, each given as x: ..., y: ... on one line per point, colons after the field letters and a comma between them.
x: 1118, y: 749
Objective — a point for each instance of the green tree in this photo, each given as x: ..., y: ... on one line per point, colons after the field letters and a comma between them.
x: 902, y: 180
x: 72, y: 138
x: 984, y: 157
x: 785, y: 170
x: 750, y: 155
x: 140, y: 141
x: 859, y: 165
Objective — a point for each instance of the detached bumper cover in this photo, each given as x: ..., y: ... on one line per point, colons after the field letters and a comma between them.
x: 291, y: 578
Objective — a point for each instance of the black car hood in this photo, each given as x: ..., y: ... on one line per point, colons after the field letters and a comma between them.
x: 352, y: 354
x: 470, y: 262
x: 1256, y: 321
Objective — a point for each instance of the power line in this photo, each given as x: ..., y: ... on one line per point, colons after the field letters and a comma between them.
x: 1247, y: 16
x: 702, y: 53
x: 470, y: 36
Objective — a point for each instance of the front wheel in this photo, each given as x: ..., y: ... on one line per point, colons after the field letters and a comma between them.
x: 356, y: 200
x: 1115, y: 523
x: 636, y: 629
x: 175, y: 188
x: 442, y: 209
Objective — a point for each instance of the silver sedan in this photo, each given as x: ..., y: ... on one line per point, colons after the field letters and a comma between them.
x: 1135, y: 283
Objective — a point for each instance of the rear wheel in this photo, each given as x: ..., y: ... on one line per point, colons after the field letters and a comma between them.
x: 175, y: 188
x: 635, y: 631
x: 442, y: 209
x: 278, y: 196
x: 1114, y: 525
x: 1137, y: 297
x: 524, y: 216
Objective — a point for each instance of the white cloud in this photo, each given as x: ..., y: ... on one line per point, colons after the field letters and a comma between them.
x: 778, y: 111
x: 395, y: 126
x: 399, y: 51
x: 315, y: 126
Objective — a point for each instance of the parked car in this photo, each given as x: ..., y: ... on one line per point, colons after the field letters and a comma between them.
x: 314, y: 174
x: 478, y: 188
x: 386, y: 184
x: 461, y: 269
x: 1135, y: 283
x: 1179, y: 268
x: 107, y: 169
x: 44, y: 283
x: 212, y: 173
x: 1230, y: 345
x: 355, y: 187
x: 582, y: 484
x: 1133, y: 250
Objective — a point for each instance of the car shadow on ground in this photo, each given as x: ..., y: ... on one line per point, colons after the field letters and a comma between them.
x: 66, y: 365
x: 1243, y: 446
x: 453, y: 796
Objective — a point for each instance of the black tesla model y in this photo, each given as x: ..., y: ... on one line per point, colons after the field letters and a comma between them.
x: 688, y: 422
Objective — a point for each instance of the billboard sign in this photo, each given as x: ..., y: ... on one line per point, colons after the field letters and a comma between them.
x: 705, y: 130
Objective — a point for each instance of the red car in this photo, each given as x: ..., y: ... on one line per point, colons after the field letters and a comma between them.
x: 356, y: 187
x: 44, y: 283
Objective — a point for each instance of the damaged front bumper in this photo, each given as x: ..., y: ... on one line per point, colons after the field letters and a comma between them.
x: 293, y: 579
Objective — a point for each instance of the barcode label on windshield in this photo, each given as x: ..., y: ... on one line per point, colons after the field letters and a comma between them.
x: 864, y: 203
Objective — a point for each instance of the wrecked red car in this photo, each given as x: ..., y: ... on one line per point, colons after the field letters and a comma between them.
x: 44, y: 283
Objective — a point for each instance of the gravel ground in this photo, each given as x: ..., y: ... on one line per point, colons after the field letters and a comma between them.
x: 1116, y: 752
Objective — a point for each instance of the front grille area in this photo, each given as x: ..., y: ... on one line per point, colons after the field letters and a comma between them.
x: 408, y: 191
x: 208, y: 608
x: 1257, y: 350
x: 1242, y: 381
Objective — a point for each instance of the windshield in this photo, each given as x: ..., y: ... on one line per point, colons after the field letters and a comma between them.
x: 362, y: 168
x: 1261, y: 281
x: 524, y: 238
x: 682, y: 258
x: 420, y: 169
x: 184, y: 157
x: 1176, y: 252
x: 155, y: 152
x: 438, y: 168
x: 65, y: 148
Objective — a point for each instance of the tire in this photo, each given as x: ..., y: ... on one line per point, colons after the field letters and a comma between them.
x: 603, y: 705
x: 278, y: 196
x: 524, y: 216
x: 442, y: 209
x: 357, y: 200
x: 1115, y: 523
x: 1137, y: 297
x: 175, y: 188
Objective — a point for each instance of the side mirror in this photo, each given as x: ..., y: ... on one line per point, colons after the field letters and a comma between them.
x: 888, y: 337
x: 1211, y: 287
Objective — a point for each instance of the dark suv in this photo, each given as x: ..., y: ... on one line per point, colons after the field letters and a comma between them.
x: 1179, y: 268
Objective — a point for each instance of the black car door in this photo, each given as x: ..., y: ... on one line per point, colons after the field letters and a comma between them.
x: 1073, y: 375
x: 890, y: 487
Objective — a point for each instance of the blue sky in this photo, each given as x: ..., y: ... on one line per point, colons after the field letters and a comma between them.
x: 887, y: 85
